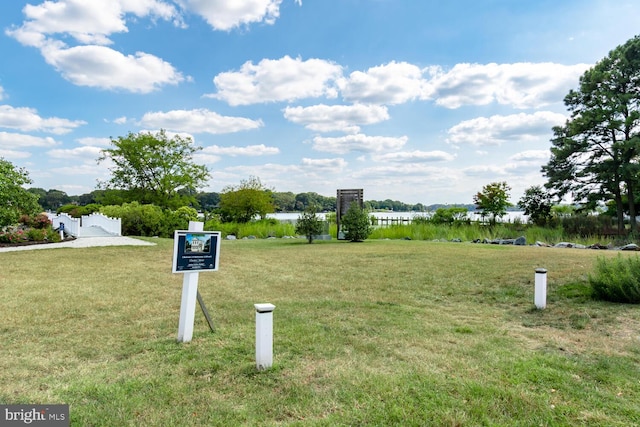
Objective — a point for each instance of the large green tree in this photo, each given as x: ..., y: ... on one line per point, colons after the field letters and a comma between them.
x: 595, y: 154
x: 242, y: 203
x: 15, y: 200
x: 537, y: 204
x: 153, y: 168
x: 493, y: 200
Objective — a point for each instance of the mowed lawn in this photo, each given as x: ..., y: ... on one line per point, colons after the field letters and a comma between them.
x: 373, y: 333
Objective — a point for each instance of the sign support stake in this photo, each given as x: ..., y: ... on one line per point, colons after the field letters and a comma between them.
x: 205, y: 311
x: 189, y: 296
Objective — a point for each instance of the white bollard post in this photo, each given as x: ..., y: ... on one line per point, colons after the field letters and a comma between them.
x: 540, y: 298
x: 264, y: 335
x: 189, y: 297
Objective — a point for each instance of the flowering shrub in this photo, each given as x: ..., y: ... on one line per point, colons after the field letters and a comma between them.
x: 40, y: 221
x: 13, y: 236
x: 18, y: 235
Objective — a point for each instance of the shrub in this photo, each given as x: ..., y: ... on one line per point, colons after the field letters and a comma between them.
x: 309, y: 224
x: 40, y: 221
x: 617, y: 280
x: 137, y: 219
x: 355, y: 224
x: 13, y: 235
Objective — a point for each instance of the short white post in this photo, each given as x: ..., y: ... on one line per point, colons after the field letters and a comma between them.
x: 264, y: 335
x: 61, y: 231
x: 189, y: 297
x: 540, y: 298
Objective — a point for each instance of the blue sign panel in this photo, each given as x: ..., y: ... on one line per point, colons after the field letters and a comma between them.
x: 195, y: 251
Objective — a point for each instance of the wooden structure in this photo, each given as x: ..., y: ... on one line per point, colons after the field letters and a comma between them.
x: 343, y: 201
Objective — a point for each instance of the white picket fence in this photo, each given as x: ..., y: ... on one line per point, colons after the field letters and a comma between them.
x: 87, y: 225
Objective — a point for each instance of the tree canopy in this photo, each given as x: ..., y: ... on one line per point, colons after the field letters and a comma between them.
x: 15, y: 200
x: 244, y: 202
x: 594, y: 155
x: 493, y: 199
x: 153, y: 168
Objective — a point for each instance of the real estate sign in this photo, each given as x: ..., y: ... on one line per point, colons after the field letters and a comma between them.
x: 195, y: 251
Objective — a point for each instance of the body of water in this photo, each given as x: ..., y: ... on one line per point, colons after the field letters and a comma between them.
x: 509, y: 217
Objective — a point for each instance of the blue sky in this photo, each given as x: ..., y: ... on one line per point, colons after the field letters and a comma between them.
x: 413, y: 100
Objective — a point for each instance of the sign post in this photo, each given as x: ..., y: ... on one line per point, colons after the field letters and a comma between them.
x: 194, y: 250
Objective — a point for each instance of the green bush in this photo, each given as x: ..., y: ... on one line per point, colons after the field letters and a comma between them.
x: 617, y: 279
x: 356, y: 224
x: 309, y: 224
x: 137, y: 219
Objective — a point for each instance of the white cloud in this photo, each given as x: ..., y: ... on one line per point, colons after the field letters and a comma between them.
x: 225, y: 15
x: 497, y: 129
x: 198, y: 121
x: 14, y: 154
x: 336, y: 164
x: 250, y: 150
x: 358, y: 142
x: 103, y: 67
x: 84, y: 152
x: 88, y: 22
x: 28, y: 120
x: 531, y: 155
x: 520, y: 85
x: 120, y: 120
x: 393, y: 83
x: 284, y: 79
x: 17, y: 140
x: 2, y: 95
x: 414, y: 157
x: 95, y: 142
x: 345, y: 118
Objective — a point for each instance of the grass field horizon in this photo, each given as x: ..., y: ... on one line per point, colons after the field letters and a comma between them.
x: 384, y: 332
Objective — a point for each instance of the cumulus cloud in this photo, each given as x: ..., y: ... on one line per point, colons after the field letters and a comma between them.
x: 103, y: 67
x: 17, y: 140
x: 358, y: 142
x: 198, y: 121
x: 414, y: 157
x: 284, y: 79
x: 95, y: 142
x: 51, y: 25
x: 226, y: 15
x: 84, y: 152
x: 520, y: 85
x: 496, y: 130
x: 392, y: 83
x: 336, y: 164
x: 250, y: 150
x: 345, y: 118
x: 28, y: 120
x: 88, y: 22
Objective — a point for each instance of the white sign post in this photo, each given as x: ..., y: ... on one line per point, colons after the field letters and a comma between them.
x: 264, y: 335
x: 540, y: 297
x: 189, y: 297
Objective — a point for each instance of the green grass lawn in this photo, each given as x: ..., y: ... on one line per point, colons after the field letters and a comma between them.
x: 373, y: 333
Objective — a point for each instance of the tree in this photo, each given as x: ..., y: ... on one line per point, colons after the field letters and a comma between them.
x: 537, y: 204
x: 355, y: 223
x: 284, y: 202
x: 309, y: 224
x: 594, y: 156
x: 244, y: 202
x: 153, y: 168
x: 493, y: 199
x: 14, y: 199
